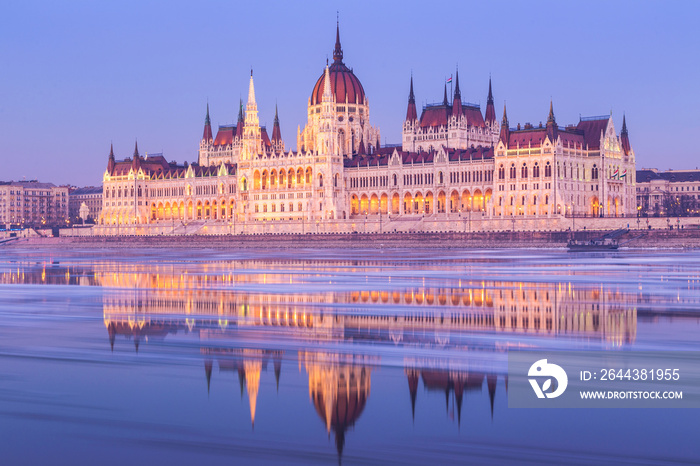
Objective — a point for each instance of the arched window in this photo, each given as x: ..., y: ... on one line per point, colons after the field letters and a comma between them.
x: 395, y: 182
x: 501, y: 172
x: 440, y: 178
x: 547, y: 170
x: 523, y: 172
x: 536, y: 171
x: 594, y: 172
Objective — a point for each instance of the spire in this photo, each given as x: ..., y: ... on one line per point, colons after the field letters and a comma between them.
x: 624, y: 137
x: 457, y: 101
x: 327, y: 94
x: 240, y: 125
x: 337, y: 51
x: 444, y: 99
x: 505, y: 130
x: 276, y: 133
x: 251, y: 90
x: 207, y: 135
x: 136, y: 149
x: 550, y: 118
x: 361, y: 150
x: 411, y: 113
x: 490, y: 109
x: 110, y: 160
x: 551, y: 124
x: 458, y: 94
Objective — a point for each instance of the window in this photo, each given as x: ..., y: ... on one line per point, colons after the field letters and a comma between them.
x: 523, y: 172
x: 512, y: 171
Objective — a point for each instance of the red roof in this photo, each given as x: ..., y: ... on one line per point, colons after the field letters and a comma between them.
x: 265, y: 137
x: 224, y: 136
x: 344, y: 84
x: 437, y: 115
x: 523, y: 138
x: 592, y: 129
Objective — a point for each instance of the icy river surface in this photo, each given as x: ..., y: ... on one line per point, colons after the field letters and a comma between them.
x: 117, y: 357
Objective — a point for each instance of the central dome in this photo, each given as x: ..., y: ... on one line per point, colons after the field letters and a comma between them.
x: 344, y: 83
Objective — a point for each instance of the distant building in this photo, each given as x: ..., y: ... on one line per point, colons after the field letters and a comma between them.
x: 672, y: 193
x: 91, y: 196
x: 33, y: 204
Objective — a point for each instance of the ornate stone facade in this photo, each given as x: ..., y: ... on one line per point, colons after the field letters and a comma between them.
x: 453, y: 162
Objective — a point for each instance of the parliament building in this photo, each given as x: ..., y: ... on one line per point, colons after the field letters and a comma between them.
x: 455, y: 164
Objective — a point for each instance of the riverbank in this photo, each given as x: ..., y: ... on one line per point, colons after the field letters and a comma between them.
x: 438, y: 240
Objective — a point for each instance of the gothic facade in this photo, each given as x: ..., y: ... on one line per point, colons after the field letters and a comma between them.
x: 453, y: 162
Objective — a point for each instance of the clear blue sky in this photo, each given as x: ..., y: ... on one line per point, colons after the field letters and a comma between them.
x: 77, y: 75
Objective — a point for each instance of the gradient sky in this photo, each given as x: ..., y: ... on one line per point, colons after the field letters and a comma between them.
x: 75, y: 76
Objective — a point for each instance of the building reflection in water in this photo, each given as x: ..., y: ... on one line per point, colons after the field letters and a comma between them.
x: 144, y: 302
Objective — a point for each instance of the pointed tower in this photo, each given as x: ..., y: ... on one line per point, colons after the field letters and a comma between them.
x: 277, y: 134
x: 624, y: 137
x: 457, y: 101
x: 207, y: 135
x: 240, y: 124
x: 110, y: 161
x: 490, y: 110
x: 252, y: 139
x: 325, y: 142
x: 136, y: 160
x: 445, y: 102
x: 505, y: 130
x: 411, y: 114
x: 337, y: 51
x: 551, y: 124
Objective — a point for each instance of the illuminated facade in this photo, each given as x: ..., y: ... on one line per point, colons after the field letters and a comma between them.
x: 453, y: 161
x: 671, y: 193
x: 33, y: 204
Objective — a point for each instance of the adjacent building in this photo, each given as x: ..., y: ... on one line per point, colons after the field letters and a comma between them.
x: 670, y: 193
x: 91, y: 196
x: 453, y: 161
x: 33, y: 204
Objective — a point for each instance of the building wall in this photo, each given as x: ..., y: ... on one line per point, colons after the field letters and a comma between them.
x: 91, y: 196
x: 671, y: 193
x: 30, y: 203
